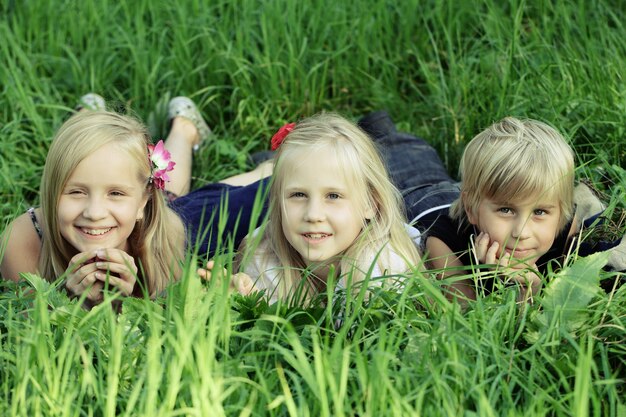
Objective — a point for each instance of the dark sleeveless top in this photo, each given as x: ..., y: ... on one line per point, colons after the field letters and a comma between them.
x: 33, y: 218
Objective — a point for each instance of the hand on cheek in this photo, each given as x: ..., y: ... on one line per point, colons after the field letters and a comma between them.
x: 510, y: 270
x: 489, y: 252
x: 485, y: 250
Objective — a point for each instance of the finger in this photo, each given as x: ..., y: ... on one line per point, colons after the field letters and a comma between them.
x: 491, y: 254
x: 529, y: 279
x: 126, y: 271
x: 482, y: 244
x: 243, y: 284
x: 80, y: 259
x: 82, y: 278
x: 505, y: 260
x: 75, y: 278
x: 94, y: 293
x: 482, y: 247
x: 83, y: 286
x: 210, y: 272
x: 203, y: 273
x: 124, y: 286
x: 206, y: 274
x: 116, y: 256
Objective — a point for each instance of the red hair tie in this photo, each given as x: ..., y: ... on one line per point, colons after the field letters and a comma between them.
x: 280, y: 136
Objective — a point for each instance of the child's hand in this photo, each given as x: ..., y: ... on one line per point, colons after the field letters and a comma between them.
x: 209, y: 271
x: 511, y: 269
x: 484, y: 251
x: 87, y: 271
x: 489, y: 253
x: 240, y: 282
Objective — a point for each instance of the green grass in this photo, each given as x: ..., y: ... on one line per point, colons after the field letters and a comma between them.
x: 445, y: 71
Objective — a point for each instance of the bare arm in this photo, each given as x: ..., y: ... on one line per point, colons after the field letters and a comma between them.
x: 23, y: 248
x: 441, y: 257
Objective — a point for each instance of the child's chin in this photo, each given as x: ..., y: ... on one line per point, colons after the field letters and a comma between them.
x: 523, y: 263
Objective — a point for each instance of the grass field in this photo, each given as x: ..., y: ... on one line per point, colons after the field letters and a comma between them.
x: 445, y: 71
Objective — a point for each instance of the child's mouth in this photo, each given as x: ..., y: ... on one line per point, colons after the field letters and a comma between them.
x: 315, y: 236
x: 95, y: 232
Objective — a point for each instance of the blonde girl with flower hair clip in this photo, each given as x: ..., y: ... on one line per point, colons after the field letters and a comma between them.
x: 115, y: 212
x: 103, y: 219
x: 332, y: 208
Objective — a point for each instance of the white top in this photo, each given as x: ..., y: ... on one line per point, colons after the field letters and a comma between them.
x: 263, y: 266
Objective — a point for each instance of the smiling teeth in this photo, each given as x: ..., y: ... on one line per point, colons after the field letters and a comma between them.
x: 95, y: 232
x: 316, y: 235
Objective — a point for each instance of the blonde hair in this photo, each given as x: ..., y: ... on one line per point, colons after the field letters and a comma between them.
x: 374, y: 192
x: 514, y: 159
x: 157, y: 241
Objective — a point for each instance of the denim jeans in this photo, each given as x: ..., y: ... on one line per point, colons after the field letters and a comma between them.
x: 413, y: 165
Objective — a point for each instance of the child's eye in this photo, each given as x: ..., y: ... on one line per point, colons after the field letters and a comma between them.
x: 297, y: 194
x: 74, y: 192
x: 540, y: 212
x: 117, y: 193
x: 505, y: 210
x: 334, y: 196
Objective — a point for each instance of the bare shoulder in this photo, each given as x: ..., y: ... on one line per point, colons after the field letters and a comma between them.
x: 441, y: 257
x: 22, y: 247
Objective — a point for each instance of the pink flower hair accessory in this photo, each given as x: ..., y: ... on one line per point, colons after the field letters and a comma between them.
x: 280, y: 136
x: 161, y: 162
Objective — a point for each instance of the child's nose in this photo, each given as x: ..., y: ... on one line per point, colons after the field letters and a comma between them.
x: 94, y: 209
x: 521, y: 229
x: 314, y: 211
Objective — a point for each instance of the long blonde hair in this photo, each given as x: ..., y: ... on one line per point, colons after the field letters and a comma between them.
x: 513, y: 159
x: 362, y: 165
x: 157, y: 241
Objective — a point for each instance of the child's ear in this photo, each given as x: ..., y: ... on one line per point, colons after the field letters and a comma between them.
x: 142, y: 207
x: 370, y: 209
x: 469, y: 212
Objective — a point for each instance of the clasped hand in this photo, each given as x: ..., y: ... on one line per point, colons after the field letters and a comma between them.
x: 90, y: 271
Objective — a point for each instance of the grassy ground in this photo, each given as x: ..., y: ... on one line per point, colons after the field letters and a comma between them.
x: 444, y: 70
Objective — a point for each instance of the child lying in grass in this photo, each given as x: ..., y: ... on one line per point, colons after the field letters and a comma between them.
x: 333, y: 210
x: 105, y: 220
x: 514, y: 212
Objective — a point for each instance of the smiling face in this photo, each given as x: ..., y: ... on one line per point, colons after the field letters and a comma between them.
x: 101, y: 201
x: 525, y: 229
x: 321, y: 215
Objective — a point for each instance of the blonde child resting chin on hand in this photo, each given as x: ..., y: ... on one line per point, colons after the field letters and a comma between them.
x: 512, y: 213
x: 332, y: 208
